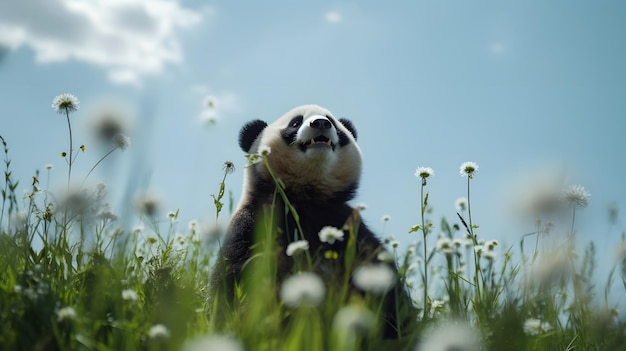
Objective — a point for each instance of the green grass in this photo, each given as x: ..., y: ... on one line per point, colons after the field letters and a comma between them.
x: 74, y: 277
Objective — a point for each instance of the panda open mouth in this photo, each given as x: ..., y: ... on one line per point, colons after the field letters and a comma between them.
x: 318, y: 141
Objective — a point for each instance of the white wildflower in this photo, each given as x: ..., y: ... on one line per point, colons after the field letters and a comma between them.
x: 424, y: 172
x: 330, y: 235
x: 374, y: 278
x: 468, y: 168
x: 446, y: 245
x: 385, y: 256
x: 533, y: 326
x: 66, y: 313
x: 65, y: 103
x: 129, y: 295
x: 577, y: 196
x: 297, y: 247
x: 159, y: 331
x: 303, y: 289
x: 461, y: 204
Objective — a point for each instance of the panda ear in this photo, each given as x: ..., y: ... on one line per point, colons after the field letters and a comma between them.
x: 249, y: 132
x: 349, y: 126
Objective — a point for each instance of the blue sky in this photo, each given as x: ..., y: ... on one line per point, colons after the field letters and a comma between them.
x: 517, y: 87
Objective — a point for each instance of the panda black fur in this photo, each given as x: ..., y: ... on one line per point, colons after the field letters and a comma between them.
x: 316, y: 157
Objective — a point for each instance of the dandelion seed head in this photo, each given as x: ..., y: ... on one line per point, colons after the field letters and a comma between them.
x: 468, y: 169
x: 297, y: 247
x: 65, y: 103
x: 576, y: 196
x: 357, y: 319
x: 375, y: 278
x: 66, y: 314
x: 229, y: 167
x: 361, y: 206
x: 386, y: 218
x: 121, y: 141
x: 330, y: 234
x: 424, y: 172
x: 159, y: 331
x: 303, y: 289
x: 49, y: 166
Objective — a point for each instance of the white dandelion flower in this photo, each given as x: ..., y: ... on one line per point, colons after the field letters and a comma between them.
x: 533, y: 326
x: 65, y: 103
x: 303, y: 289
x: 461, y: 204
x: 297, y: 247
x: 424, y: 172
x: 468, y: 168
x: 374, y: 278
x: 577, y: 196
x: 66, y: 313
x: 129, y: 295
x: 385, y: 256
x: 330, y: 234
x: 159, y: 331
x: 446, y: 245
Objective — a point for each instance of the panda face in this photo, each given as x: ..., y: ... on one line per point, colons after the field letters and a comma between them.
x: 314, y: 154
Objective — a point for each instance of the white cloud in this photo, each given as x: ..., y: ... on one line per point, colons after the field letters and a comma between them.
x: 128, y: 38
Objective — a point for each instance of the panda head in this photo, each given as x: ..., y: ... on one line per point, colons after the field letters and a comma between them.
x: 313, y: 153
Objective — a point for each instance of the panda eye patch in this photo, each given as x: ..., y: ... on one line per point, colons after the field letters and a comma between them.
x: 296, y: 122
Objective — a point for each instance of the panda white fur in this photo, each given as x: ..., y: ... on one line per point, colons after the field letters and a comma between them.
x: 316, y: 157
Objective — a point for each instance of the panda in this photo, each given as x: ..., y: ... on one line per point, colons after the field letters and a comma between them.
x: 317, y: 162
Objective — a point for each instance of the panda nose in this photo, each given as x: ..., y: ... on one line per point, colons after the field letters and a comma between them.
x: 321, y: 123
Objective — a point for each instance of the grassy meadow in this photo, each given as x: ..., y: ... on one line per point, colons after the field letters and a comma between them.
x: 74, y: 277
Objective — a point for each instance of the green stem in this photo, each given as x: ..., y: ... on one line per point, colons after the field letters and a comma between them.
x: 424, y: 232
x: 96, y: 165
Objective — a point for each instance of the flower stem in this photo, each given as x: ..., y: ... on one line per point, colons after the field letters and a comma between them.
x: 424, y: 232
x: 96, y: 165
x: 69, y: 126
